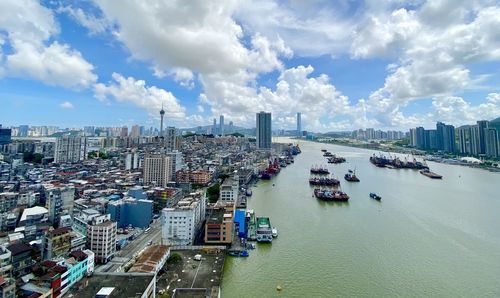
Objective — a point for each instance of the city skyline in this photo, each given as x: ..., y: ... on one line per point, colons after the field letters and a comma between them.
x: 359, y: 64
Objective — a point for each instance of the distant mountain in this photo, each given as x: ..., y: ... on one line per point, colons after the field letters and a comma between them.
x: 497, y: 120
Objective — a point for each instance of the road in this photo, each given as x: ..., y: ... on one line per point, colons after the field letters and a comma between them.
x: 133, y: 249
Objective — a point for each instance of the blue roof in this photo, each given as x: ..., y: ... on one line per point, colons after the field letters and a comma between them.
x: 239, y: 217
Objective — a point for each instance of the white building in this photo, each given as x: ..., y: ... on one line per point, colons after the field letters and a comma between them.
x: 180, y: 224
x: 70, y: 150
x: 101, y: 239
x: 157, y: 169
x: 229, y: 190
x: 131, y: 161
x: 176, y: 163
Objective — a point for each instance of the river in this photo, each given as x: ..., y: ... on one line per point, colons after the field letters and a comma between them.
x: 426, y: 238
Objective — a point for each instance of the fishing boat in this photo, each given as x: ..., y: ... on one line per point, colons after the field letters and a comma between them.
x: 375, y: 196
x: 244, y: 253
x: 351, y: 176
x: 331, y: 195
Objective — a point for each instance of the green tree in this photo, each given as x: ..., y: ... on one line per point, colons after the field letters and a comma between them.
x: 213, y: 193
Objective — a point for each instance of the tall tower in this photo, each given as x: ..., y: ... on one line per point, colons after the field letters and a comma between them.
x: 162, y: 113
x: 299, y: 124
x: 221, y: 125
x: 263, y: 130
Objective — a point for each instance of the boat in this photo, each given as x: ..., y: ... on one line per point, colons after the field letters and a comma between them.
x: 248, y: 193
x: 331, y: 195
x: 275, y: 232
x: 322, y: 181
x: 375, y: 196
x: 351, y: 176
x: 244, y: 253
x: 432, y: 175
x: 336, y: 159
x: 264, y: 231
x: 251, y: 245
x: 319, y: 170
x: 233, y: 253
x: 323, y: 150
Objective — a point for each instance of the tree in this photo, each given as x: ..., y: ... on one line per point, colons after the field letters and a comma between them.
x: 174, y: 258
x: 213, y: 193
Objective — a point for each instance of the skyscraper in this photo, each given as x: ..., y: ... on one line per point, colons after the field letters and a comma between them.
x: 482, y: 126
x: 440, y: 135
x: 221, y: 125
x: 162, y: 113
x: 214, y: 127
x: 491, y: 142
x: 135, y: 132
x: 449, y: 138
x: 263, y: 131
x: 5, y: 135
x: 299, y: 124
x: 157, y: 169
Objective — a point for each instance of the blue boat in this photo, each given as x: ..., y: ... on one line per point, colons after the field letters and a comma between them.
x: 244, y: 253
x: 375, y: 196
x: 233, y: 254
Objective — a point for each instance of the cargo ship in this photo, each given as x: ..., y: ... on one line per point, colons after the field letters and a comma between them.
x: 396, y: 163
x: 331, y: 195
x: 432, y: 175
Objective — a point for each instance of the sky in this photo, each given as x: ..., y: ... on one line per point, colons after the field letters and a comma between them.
x: 387, y: 64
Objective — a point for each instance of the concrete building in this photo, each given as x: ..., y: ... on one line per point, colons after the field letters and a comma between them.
x: 21, y: 259
x: 180, y: 224
x: 130, y: 211
x: 194, y: 177
x: 151, y: 260
x: 219, y: 226
x: 170, y: 139
x: 263, y: 131
x: 57, y: 243
x: 5, y: 135
x: 7, y: 283
x: 482, y: 126
x: 60, y: 201
x: 175, y: 163
x: 229, y: 190
x: 70, y: 149
x: 101, y: 239
x: 131, y: 161
x: 135, y: 132
x: 491, y: 142
x: 157, y: 170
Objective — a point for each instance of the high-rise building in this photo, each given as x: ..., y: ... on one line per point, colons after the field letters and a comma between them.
x: 175, y: 163
x: 214, y: 127
x: 482, y: 126
x: 60, y: 201
x: 170, y: 139
x: 231, y: 127
x: 70, y: 149
x: 135, y: 132
x: 413, y: 137
x: 491, y: 142
x: 101, y: 240
x: 5, y: 135
x: 221, y: 125
x: 157, y: 169
x: 299, y: 124
x: 440, y: 135
x: 131, y: 161
x: 420, y: 138
x: 474, y: 140
x: 162, y: 114
x: 23, y: 131
x: 129, y: 211
x: 124, y: 132
x: 449, y: 139
x: 464, y: 140
x: 263, y: 131
x: 180, y: 224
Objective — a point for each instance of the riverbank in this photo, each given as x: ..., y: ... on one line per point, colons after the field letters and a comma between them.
x: 491, y: 166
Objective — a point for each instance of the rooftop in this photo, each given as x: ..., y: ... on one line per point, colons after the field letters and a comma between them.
x: 150, y: 258
x: 128, y: 285
x: 190, y: 278
x: 37, y: 210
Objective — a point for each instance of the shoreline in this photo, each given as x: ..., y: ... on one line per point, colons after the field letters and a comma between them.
x: 433, y: 157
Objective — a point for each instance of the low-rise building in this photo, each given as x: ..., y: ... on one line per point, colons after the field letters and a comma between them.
x: 229, y: 190
x: 180, y: 224
x: 151, y: 260
x: 57, y: 243
x: 21, y: 259
x: 219, y: 226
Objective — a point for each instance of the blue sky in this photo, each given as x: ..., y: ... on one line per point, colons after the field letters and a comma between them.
x: 343, y: 64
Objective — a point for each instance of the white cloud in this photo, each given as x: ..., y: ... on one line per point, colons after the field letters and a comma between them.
x: 92, y: 23
x: 66, y: 105
x: 29, y: 27
x: 136, y: 92
x: 458, y: 111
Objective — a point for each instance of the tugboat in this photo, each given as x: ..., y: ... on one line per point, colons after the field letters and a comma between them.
x: 351, y: 176
x: 331, y: 195
x: 432, y: 175
x: 375, y: 196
